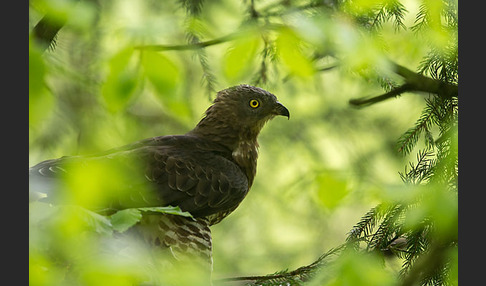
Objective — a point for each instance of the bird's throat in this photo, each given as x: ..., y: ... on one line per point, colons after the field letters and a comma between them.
x: 246, y: 155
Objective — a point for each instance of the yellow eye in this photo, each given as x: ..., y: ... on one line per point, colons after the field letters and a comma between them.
x: 254, y: 103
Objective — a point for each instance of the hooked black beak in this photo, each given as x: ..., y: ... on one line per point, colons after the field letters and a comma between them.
x: 281, y: 110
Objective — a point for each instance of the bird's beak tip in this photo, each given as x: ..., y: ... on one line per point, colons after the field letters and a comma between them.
x: 282, y: 110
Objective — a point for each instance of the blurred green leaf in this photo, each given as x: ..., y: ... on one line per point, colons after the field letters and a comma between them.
x: 161, y: 72
x: 364, y: 269
x: 41, y: 101
x: 363, y: 6
x: 57, y: 10
x: 121, y: 81
x: 289, y: 46
x: 39, y: 211
x: 331, y: 190
x: 453, y: 277
x: 104, y: 275
x: 165, y: 76
x: 240, y: 58
x: 91, y: 220
x: 42, y: 271
x: 108, y: 181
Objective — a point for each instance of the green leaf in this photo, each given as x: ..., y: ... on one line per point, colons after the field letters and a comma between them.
x: 124, y: 219
x: 165, y: 76
x: 161, y: 72
x: 121, y: 81
x: 239, y: 60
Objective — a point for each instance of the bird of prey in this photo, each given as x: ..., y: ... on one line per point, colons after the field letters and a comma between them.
x: 207, y: 172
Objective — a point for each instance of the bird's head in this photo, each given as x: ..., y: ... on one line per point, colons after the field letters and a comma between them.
x: 249, y: 103
x: 242, y: 110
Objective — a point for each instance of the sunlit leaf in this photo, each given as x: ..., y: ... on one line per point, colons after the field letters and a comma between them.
x: 92, y: 220
x: 120, y: 84
x: 42, y: 271
x: 365, y: 269
x: 240, y: 58
x: 331, y: 190
x: 115, y: 277
x: 109, y: 181
x: 161, y: 72
x: 165, y: 76
x: 290, y: 52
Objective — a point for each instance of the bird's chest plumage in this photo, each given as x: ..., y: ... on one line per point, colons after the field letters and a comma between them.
x: 245, y: 155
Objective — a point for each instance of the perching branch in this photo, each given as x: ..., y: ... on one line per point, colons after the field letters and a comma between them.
x: 413, y: 82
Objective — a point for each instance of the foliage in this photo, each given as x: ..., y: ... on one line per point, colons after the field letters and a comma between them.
x: 331, y: 180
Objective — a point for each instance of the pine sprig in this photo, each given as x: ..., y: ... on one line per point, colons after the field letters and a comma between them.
x: 390, y: 10
x: 409, y: 139
x: 365, y: 227
x: 422, y: 170
x: 421, y: 19
x: 442, y: 65
x: 388, y: 230
x: 417, y: 242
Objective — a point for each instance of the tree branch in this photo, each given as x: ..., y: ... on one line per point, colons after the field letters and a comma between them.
x: 192, y: 46
x: 302, y: 273
x: 365, y: 101
x: 413, y: 82
x: 217, y: 41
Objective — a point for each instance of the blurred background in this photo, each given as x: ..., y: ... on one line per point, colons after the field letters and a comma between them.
x: 119, y: 71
